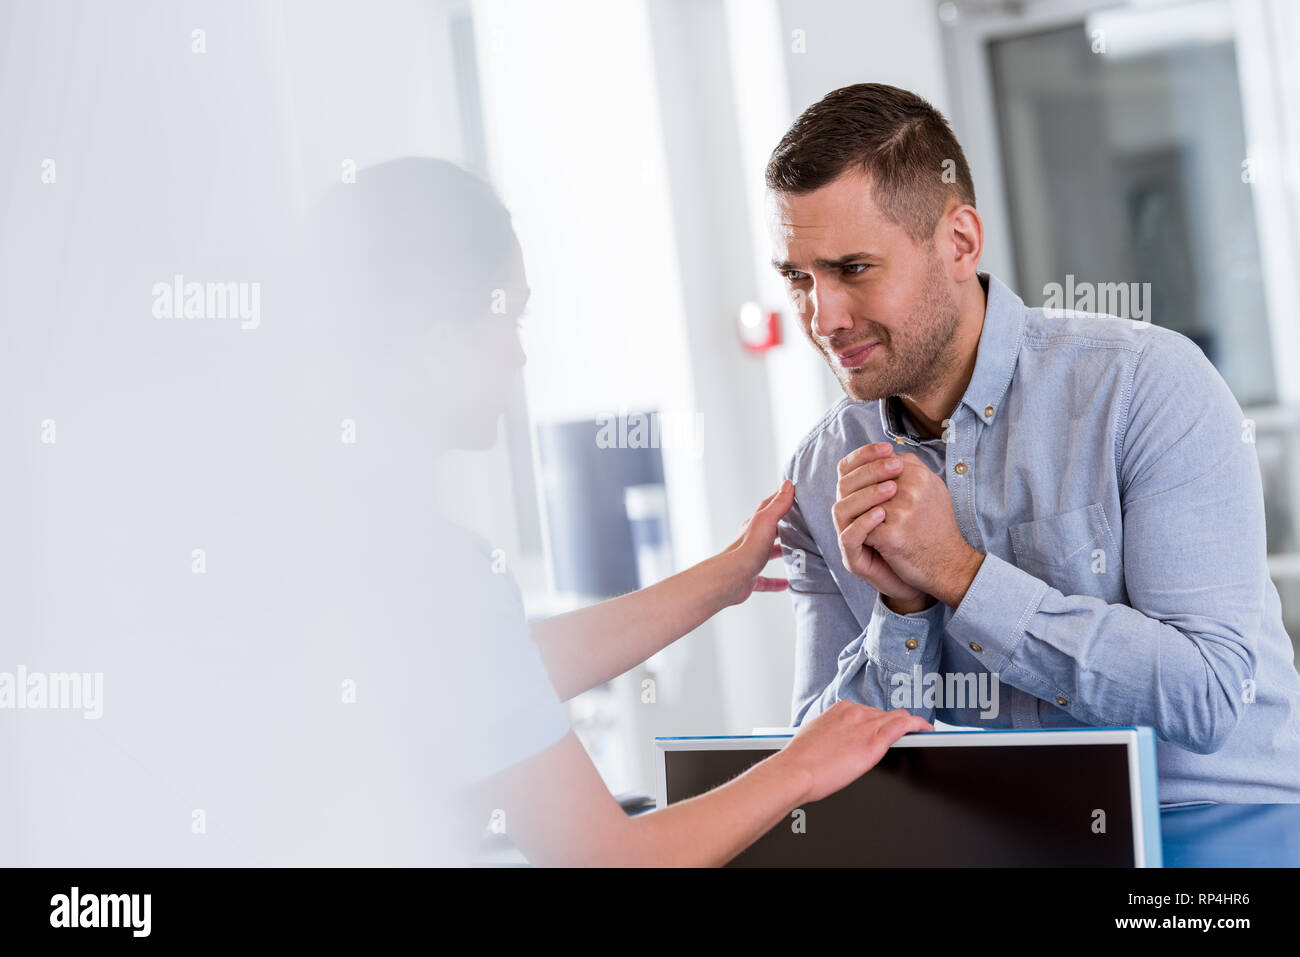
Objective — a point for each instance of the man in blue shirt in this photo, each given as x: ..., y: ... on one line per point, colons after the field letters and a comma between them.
x: 1015, y: 519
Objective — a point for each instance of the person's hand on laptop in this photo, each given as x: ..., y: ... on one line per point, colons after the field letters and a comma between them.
x: 843, y: 743
x: 870, y: 476
x: 561, y: 813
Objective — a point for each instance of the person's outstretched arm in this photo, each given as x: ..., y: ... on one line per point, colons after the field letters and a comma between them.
x: 558, y: 811
x: 587, y: 647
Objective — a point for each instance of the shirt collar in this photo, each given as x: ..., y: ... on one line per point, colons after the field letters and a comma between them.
x: 892, y: 421
x: 999, y: 348
x: 995, y: 361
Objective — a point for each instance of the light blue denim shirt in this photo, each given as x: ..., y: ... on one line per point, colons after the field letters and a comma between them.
x: 1108, y: 474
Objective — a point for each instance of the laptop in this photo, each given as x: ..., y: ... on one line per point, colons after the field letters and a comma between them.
x: 1078, y: 797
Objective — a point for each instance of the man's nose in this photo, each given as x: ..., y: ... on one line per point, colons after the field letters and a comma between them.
x: 830, y: 312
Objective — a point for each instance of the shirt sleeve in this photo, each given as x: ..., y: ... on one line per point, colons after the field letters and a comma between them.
x: 835, y: 656
x: 887, y: 665
x: 1179, y: 655
x: 515, y: 712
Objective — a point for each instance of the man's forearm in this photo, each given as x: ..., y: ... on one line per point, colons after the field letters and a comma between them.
x: 951, y: 588
x: 1107, y: 663
x: 956, y: 580
x: 900, y: 607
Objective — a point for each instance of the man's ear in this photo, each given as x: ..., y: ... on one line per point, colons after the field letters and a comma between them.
x: 965, y: 234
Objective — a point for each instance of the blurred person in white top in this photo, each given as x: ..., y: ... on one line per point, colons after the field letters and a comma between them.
x: 421, y: 283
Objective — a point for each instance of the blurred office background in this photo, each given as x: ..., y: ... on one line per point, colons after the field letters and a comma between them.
x: 1117, y: 142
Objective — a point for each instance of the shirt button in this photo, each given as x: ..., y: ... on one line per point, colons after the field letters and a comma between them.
x: 911, y: 644
x: 988, y: 411
x: 960, y: 468
x: 1061, y: 701
x: 975, y: 646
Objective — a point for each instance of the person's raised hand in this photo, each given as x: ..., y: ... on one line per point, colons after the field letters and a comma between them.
x: 744, y: 559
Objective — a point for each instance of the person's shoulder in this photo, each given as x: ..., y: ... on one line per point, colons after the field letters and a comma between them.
x: 1066, y: 328
x: 1141, y: 353
x: 1174, y: 377
x: 846, y: 425
x: 1170, y: 352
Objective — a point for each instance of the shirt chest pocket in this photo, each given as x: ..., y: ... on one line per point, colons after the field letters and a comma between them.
x: 1073, y: 552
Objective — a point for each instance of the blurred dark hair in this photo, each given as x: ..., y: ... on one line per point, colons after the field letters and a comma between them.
x: 901, y: 141
x: 411, y: 241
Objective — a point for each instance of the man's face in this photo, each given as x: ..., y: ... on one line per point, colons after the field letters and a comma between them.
x: 875, y: 302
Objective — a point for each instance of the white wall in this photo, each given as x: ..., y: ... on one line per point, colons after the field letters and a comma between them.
x: 867, y: 41
x: 167, y: 161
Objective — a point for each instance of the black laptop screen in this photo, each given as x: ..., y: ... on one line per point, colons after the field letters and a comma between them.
x: 1064, y: 805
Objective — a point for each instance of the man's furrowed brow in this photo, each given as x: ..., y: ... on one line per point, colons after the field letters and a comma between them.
x: 835, y: 263
x: 840, y: 260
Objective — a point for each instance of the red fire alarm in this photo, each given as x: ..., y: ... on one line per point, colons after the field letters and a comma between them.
x: 759, y: 329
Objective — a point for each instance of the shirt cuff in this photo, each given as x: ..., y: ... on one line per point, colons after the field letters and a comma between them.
x: 996, y: 610
x: 898, y: 642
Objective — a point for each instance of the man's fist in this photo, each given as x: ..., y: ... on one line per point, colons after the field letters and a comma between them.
x: 868, y: 479
x: 919, y: 536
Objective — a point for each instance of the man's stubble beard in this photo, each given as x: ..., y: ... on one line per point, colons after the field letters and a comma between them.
x: 919, y: 352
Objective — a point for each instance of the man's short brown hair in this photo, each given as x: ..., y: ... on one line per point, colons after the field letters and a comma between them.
x: 903, y: 143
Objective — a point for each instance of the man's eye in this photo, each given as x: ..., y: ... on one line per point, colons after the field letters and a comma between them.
x: 856, y: 269
x: 793, y: 275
